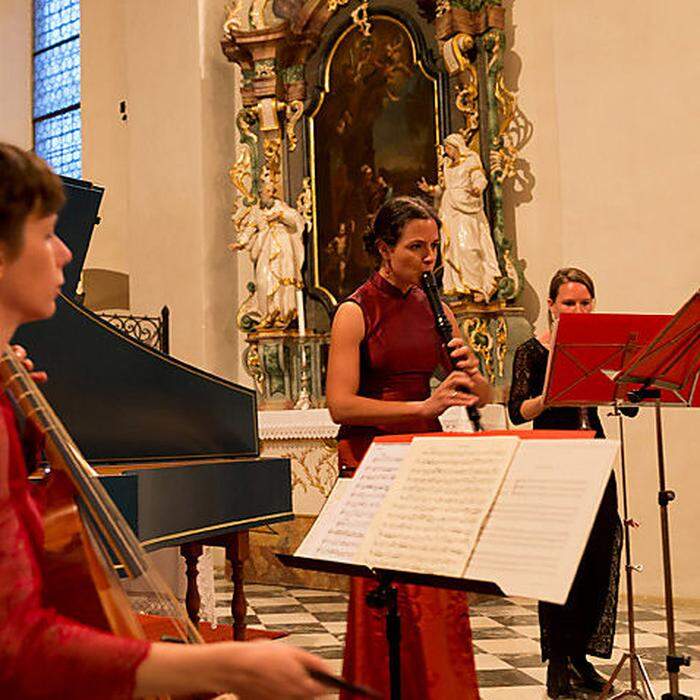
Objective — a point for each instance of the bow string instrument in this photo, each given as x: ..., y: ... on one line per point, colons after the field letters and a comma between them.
x: 85, y: 534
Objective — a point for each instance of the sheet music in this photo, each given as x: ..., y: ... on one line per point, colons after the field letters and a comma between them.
x: 434, y: 510
x: 538, y: 528
x: 324, y: 519
x: 343, y: 522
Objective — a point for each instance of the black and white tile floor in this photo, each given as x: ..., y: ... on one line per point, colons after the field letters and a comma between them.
x: 505, y: 633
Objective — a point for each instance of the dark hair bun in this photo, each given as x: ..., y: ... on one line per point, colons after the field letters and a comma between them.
x: 390, y: 220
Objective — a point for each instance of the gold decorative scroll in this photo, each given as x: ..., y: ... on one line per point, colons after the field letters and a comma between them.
x: 271, y: 149
x: 454, y: 52
x: 501, y: 344
x: 360, y: 18
x: 505, y: 152
x: 333, y: 5
x: 481, y: 342
x: 232, y: 23
x: 293, y: 112
x: 241, y: 174
x: 304, y: 203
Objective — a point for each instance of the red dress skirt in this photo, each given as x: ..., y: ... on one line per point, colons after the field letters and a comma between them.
x: 398, y: 355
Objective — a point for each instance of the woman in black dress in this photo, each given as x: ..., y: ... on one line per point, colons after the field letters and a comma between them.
x: 585, y: 624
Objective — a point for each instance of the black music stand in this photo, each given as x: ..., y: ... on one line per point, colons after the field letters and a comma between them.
x: 587, y: 352
x: 670, y: 363
x: 385, y: 596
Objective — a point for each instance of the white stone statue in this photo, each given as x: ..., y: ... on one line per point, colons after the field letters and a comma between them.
x: 271, y: 231
x: 468, y: 252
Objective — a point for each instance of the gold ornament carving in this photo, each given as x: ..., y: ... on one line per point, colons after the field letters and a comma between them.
x: 293, y: 112
x: 360, y: 18
x: 504, y: 149
x: 481, y: 342
x: 272, y: 147
x: 241, y: 176
x: 467, y: 103
x: 242, y: 173
x: 511, y: 271
x: 253, y: 365
x: 256, y: 14
x: 501, y: 345
x: 304, y: 203
x: 333, y: 5
x: 455, y: 54
x: 233, y: 22
x: 315, y: 472
x: 442, y: 7
x: 440, y: 149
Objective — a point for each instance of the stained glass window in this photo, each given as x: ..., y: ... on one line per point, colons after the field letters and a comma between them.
x: 57, y: 123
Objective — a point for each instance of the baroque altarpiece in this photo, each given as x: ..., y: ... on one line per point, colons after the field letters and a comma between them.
x: 345, y: 104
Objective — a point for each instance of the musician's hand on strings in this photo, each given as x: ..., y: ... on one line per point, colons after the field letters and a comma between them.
x: 38, y: 377
x: 456, y: 390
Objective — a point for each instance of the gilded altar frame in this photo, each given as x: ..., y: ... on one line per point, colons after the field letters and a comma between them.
x: 285, y: 49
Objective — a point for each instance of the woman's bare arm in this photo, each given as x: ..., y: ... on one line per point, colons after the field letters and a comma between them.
x: 343, y: 381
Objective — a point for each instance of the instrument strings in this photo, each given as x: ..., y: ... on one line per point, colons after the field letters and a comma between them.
x: 104, y: 514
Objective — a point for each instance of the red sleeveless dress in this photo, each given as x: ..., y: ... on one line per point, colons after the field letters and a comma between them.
x: 398, y: 355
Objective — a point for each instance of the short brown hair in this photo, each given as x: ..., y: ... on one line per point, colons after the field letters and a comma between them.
x: 27, y: 186
x: 570, y: 274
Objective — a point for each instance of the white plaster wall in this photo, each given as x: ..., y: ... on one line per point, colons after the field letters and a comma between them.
x: 167, y: 201
x: 105, y: 134
x: 16, y: 72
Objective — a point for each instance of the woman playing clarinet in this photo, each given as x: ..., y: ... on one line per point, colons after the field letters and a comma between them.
x: 384, y: 350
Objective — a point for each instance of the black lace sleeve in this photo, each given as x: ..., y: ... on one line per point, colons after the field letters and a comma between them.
x: 520, y: 385
x: 529, y: 365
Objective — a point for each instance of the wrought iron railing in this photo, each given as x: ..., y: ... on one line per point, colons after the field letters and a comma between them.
x: 153, y: 331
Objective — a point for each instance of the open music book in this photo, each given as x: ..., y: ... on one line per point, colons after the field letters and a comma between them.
x: 501, y: 509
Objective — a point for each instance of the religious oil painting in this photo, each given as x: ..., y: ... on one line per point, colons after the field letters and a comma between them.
x: 374, y: 136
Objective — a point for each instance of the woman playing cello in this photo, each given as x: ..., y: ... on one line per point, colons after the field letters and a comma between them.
x: 42, y: 654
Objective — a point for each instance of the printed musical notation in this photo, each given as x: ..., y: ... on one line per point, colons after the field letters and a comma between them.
x: 514, y: 512
x: 431, y: 517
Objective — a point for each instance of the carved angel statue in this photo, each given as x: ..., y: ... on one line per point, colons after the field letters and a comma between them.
x: 271, y: 231
x: 468, y: 252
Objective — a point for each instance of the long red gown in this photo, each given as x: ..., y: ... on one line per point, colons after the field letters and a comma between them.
x: 398, y: 355
x: 43, y: 655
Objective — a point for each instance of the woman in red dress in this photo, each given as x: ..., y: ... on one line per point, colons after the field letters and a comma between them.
x: 384, y: 351
x: 42, y: 654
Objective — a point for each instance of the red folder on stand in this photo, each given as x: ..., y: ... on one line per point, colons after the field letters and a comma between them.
x: 589, y: 350
x: 670, y: 361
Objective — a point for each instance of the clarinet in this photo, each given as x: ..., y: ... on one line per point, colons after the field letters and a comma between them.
x: 444, y: 329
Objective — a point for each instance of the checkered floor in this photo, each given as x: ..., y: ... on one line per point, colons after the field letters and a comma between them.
x: 505, y: 633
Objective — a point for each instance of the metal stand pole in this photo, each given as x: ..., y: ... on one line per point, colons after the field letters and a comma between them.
x: 673, y: 661
x: 636, y: 664
x: 385, y: 595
